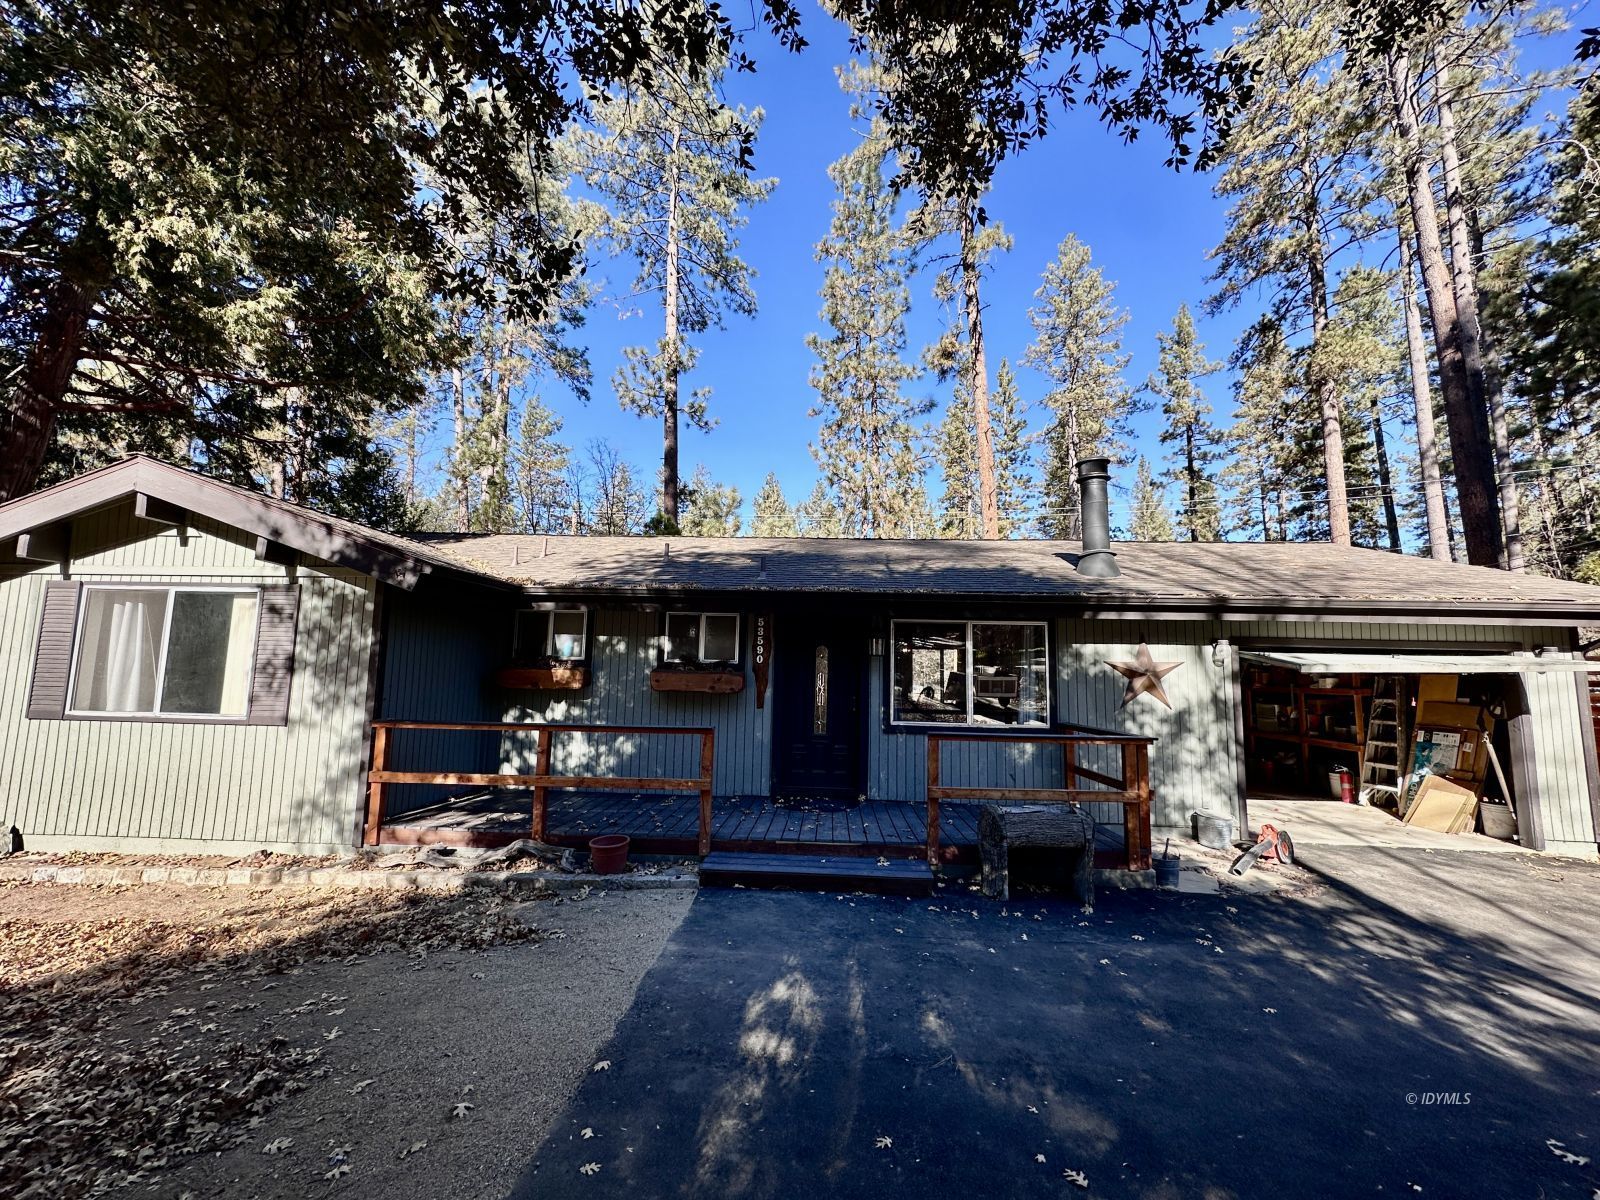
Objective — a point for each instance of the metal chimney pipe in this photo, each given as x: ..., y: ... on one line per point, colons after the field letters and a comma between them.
x: 1097, y: 560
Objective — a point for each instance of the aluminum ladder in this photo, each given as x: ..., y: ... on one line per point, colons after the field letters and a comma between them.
x: 1381, y: 767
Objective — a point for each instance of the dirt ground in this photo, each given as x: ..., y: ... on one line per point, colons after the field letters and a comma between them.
x: 287, y: 1044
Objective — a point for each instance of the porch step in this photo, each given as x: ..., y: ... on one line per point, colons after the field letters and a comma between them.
x: 817, y: 873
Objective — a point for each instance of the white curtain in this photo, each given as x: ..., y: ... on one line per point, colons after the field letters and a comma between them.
x: 120, y: 652
x: 133, y: 651
x: 236, y: 664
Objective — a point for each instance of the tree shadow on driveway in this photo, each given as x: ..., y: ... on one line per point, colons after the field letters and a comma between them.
x: 792, y: 1045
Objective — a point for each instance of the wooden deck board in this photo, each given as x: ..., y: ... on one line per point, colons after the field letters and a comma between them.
x: 669, y: 824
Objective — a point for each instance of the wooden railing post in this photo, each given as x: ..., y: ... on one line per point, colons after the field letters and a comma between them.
x: 1069, y: 763
x: 1136, y: 816
x: 380, y: 755
x: 541, y: 794
x: 933, y: 800
x: 708, y: 758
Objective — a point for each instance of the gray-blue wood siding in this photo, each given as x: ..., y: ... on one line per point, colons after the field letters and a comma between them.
x: 439, y: 662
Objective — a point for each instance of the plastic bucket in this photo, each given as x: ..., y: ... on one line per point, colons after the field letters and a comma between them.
x: 608, y: 855
x: 1167, y: 871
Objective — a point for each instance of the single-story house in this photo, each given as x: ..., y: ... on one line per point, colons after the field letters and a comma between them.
x: 191, y: 667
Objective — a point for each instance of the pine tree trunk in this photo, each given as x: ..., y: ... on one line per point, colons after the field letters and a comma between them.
x: 672, y: 368
x: 1191, y: 473
x: 458, y: 430
x: 1326, y: 390
x: 1469, y: 441
x: 1380, y: 450
x: 28, y: 422
x: 1422, y: 402
x: 988, y: 492
x: 1464, y: 275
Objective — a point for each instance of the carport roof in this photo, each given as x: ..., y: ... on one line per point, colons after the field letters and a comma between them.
x: 1419, y: 663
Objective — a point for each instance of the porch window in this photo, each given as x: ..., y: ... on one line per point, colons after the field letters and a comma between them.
x: 164, y: 651
x: 977, y: 673
x: 693, y: 638
x: 547, y: 632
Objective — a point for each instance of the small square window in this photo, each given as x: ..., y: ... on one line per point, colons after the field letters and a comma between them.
x: 701, y: 638
x: 550, y: 633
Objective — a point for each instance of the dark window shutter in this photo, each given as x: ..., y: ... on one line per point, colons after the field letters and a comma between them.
x: 52, y: 657
x: 274, y: 665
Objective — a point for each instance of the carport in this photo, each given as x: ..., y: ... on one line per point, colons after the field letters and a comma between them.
x: 1500, y: 725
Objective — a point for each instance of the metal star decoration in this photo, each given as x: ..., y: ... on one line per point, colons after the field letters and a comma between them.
x: 1144, y: 675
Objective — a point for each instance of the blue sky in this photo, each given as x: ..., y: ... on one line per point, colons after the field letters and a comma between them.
x: 1148, y: 226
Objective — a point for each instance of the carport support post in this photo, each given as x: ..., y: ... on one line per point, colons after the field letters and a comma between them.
x: 541, y: 794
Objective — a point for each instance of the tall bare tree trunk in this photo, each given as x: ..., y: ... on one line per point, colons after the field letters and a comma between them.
x: 1326, y: 390
x: 1422, y: 401
x: 674, y: 364
x: 1464, y: 275
x: 458, y: 428
x: 1468, y: 424
x: 988, y: 489
x: 1380, y: 451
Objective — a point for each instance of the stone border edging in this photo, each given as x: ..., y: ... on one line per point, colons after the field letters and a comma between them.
x: 336, y: 877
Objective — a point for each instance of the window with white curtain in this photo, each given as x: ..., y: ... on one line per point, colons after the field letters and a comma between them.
x: 165, y: 651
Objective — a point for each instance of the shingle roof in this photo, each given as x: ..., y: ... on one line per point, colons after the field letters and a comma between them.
x: 397, y: 559
x: 1153, y: 573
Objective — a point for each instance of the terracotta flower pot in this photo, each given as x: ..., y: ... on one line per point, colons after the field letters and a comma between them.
x: 608, y: 855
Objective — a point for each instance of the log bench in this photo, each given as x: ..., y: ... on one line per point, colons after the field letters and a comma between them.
x: 1065, y: 827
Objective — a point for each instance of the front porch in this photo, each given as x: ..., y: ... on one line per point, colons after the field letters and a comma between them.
x: 669, y: 824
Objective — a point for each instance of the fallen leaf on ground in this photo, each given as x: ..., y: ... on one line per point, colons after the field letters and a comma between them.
x: 461, y: 1109
x: 587, y: 1133
x: 277, y: 1145
x: 361, y: 1086
x: 1077, y: 1177
x: 884, y: 1143
x: 590, y: 1168
x: 603, y: 1065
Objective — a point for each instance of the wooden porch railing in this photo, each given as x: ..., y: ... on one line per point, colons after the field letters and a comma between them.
x: 541, y: 781
x: 1132, y: 790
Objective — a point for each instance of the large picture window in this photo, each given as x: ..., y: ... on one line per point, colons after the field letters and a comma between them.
x: 163, y: 651
x: 693, y: 638
x: 979, y: 673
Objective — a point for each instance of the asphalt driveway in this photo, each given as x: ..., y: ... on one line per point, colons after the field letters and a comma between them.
x: 1417, y: 1024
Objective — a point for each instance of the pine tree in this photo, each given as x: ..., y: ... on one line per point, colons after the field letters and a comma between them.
x: 711, y: 509
x: 671, y: 161
x: 1266, y: 463
x: 773, y: 515
x: 1152, y: 521
x: 962, y: 351
x: 866, y: 445
x: 1290, y: 170
x: 1078, y: 347
x: 1188, y: 429
x: 960, y: 513
x: 818, y: 516
x: 539, y: 471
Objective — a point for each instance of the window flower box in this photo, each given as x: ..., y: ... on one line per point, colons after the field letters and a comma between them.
x: 715, y: 682
x: 556, y: 677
